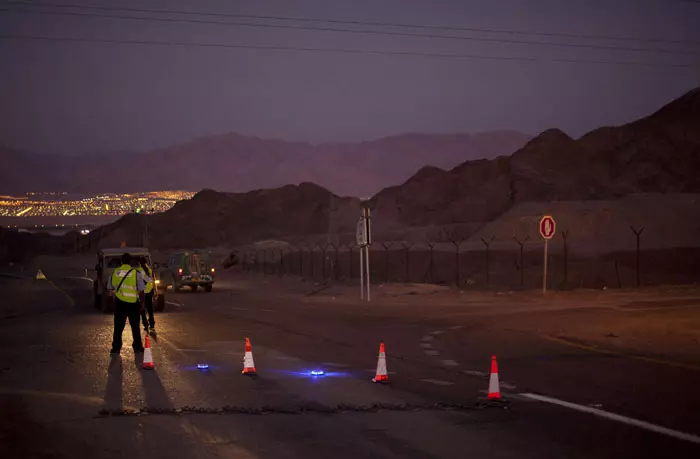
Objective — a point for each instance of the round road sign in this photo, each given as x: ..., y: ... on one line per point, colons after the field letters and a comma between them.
x: 547, y: 227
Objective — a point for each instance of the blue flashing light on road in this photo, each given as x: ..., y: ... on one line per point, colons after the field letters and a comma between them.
x: 203, y: 366
x: 317, y: 373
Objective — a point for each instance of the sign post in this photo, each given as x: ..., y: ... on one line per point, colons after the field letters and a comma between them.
x: 547, y: 230
x: 363, y: 236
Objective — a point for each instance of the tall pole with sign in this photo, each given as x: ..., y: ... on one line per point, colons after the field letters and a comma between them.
x: 363, y: 236
x: 547, y: 229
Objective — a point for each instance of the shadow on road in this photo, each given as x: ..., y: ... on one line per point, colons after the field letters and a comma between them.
x: 156, y: 397
x: 114, y: 398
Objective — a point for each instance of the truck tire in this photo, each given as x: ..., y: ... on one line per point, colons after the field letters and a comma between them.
x: 160, y: 303
x: 194, y: 287
x: 207, y: 288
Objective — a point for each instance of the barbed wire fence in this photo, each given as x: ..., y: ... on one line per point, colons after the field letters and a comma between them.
x: 488, y: 263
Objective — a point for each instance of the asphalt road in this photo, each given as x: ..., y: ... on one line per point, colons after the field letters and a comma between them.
x: 62, y: 394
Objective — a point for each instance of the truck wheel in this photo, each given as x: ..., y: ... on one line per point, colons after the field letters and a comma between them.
x: 160, y: 303
x: 176, y: 287
x: 194, y: 288
x: 207, y: 288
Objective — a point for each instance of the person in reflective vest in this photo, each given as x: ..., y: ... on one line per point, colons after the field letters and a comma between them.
x: 126, y: 286
x: 149, y: 291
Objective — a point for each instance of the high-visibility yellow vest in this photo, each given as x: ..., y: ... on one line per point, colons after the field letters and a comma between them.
x: 128, y: 292
x: 147, y: 278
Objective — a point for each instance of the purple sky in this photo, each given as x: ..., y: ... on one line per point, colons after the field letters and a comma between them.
x: 70, y: 97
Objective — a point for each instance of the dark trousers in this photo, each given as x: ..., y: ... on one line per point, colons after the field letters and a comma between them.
x: 148, y: 303
x: 123, y: 311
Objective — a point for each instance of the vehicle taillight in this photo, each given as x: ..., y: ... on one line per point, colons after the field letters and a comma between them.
x: 179, y: 271
x: 212, y: 270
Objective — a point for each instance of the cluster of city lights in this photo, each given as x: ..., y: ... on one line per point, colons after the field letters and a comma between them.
x: 57, y: 204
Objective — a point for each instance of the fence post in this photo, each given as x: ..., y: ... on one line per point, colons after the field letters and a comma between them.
x: 565, y: 235
x: 407, y: 250
x: 280, y: 267
x: 323, y: 248
x: 488, y: 245
x: 335, y: 265
x: 387, y: 246
x: 429, y: 274
x: 350, y: 246
x: 457, y: 243
x: 522, y: 258
x: 313, y: 262
x: 637, y: 234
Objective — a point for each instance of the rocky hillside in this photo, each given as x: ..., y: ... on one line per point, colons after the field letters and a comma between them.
x: 237, y: 163
x: 656, y: 154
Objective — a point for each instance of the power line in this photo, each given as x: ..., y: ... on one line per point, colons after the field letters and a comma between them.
x: 356, y: 23
x: 340, y: 50
x: 355, y: 31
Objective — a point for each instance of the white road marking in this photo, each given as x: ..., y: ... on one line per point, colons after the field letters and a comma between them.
x: 456, y: 327
x: 437, y: 332
x: 426, y: 345
x: 333, y: 364
x: 80, y: 278
x: 616, y: 417
x: 438, y: 382
x: 430, y: 352
x: 427, y: 338
x: 174, y: 303
x: 508, y: 386
x: 477, y: 373
x: 450, y: 363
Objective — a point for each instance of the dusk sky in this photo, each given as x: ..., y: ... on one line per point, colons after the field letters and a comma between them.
x: 73, y: 97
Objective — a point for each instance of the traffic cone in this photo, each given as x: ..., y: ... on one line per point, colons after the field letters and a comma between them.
x: 40, y: 275
x: 382, y: 375
x: 148, y: 355
x: 248, y: 363
x: 494, y: 386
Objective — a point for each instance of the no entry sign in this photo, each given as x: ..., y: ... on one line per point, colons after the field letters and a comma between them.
x: 548, y: 227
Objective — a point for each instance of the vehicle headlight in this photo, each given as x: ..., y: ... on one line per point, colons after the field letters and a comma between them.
x: 157, y: 281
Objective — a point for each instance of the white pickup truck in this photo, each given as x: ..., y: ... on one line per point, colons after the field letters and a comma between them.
x: 110, y: 259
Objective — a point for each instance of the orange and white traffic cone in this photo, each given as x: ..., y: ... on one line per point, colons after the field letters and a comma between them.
x: 148, y: 355
x: 382, y: 375
x: 494, y: 386
x: 248, y: 363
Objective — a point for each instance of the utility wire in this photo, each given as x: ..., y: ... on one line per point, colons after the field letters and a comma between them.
x: 338, y: 50
x: 354, y: 31
x: 356, y: 23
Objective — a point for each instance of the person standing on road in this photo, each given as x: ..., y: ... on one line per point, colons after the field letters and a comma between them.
x: 126, y: 286
x: 147, y: 274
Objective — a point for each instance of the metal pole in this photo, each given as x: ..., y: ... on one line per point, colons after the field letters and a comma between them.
x: 362, y: 276
x: 367, y: 267
x: 544, y: 276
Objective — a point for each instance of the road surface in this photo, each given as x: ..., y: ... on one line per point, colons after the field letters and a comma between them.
x: 62, y: 395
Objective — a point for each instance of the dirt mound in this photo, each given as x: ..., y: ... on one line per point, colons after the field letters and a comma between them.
x: 211, y: 218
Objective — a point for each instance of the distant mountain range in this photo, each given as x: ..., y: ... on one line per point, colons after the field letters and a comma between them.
x: 237, y: 163
x: 656, y: 155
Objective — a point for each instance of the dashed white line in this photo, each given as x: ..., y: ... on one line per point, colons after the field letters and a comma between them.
x: 427, y: 338
x: 431, y: 352
x: 438, y: 382
x: 616, y: 417
x: 456, y: 327
x: 437, y: 332
x: 507, y: 386
x: 450, y: 363
x: 426, y: 345
x: 173, y: 303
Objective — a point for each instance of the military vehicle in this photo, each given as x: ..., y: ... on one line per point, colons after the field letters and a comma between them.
x: 191, y: 269
x: 110, y: 259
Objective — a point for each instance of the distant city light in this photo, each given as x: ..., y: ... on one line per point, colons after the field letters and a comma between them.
x: 56, y: 204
